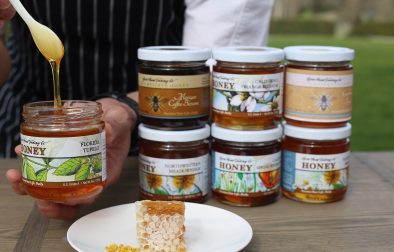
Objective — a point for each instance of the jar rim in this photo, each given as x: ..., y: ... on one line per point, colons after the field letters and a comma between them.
x: 248, y: 54
x: 318, y: 133
x: 66, y: 105
x: 252, y: 136
x: 70, y: 110
x: 173, y: 135
x: 174, y: 53
x: 319, y: 53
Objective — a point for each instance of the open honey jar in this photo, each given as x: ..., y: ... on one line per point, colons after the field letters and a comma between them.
x: 63, y: 150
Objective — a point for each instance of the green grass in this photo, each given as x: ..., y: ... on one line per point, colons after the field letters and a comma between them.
x: 373, y: 89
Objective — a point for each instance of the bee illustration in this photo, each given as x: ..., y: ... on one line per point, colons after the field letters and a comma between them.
x: 323, y: 102
x: 155, y: 102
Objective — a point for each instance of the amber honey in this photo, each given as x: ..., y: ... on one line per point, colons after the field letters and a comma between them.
x: 318, y: 86
x: 174, y: 165
x: 63, y: 150
x: 247, y: 88
x: 315, y: 165
x: 246, y: 166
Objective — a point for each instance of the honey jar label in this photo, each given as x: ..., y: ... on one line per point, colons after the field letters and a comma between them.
x: 245, y: 174
x: 318, y: 96
x: 237, y: 94
x: 174, y: 178
x: 309, y: 173
x: 55, y: 162
x: 162, y: 96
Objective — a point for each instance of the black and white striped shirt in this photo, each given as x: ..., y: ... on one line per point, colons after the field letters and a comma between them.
x: 101, y: 38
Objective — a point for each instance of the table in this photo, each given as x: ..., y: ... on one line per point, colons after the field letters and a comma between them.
x: 363, y: 221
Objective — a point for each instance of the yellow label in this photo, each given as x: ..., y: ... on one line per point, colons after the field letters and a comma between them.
x: 318, y: 96
x: 173, y: 81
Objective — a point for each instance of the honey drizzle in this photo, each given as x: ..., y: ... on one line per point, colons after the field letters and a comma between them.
x: 55, y: 66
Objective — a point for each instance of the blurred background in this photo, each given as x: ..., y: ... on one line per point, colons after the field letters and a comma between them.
x: 364, y: 25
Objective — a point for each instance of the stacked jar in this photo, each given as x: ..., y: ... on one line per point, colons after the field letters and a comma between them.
x: 317, y: 109
x: 247, y: 97
x: 174, y: 84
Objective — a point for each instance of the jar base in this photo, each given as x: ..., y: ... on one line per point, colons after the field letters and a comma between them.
x: 315, y: 124
x: 315, y: 198
x: 244, y: 122
x: 174, y: 124
x: 64, y: 195
x: 246, y: 201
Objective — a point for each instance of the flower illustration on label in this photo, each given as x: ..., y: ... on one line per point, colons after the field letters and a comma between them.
x: 270, y: 179
x: 154, y: 181
x: 183, y: 182
x: 262, y: 101
x: 183, y: 100
x: 332, y: 177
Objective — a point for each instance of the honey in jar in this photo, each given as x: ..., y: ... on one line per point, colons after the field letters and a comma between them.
x: 246, y: 166
x: 174, y: 165
x: 174, y: 87
x: 318, y: 88
x: 247, y: 87
x: 315, y: 165
x: 63, y: 150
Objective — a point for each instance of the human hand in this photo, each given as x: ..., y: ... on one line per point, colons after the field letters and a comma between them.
x: 6, y: 11
x: 119, y: 122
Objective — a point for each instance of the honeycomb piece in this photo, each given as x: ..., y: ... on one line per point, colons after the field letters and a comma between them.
x: 160, y: 226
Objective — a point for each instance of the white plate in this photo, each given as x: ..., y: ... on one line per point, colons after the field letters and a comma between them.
x: 208, y: 228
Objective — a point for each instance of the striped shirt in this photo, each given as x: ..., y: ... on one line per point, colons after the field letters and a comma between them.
x: 101, y: 38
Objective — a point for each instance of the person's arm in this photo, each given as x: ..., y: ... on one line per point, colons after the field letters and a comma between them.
x: 6, y: 13
x: 5, y: 64
x: 212, y: 23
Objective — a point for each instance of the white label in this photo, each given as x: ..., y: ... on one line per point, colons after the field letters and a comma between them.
x: 173, y: 167
x: 104, y: 155
x: 310, y: 173
x: 323, y: 81
x: 187, y: 176
x: 256, y: 93
x: 56, y: 162
x: 247, y: 82
x: 332, y: 162
x: 61, y: 147
x: 246, y: 175
x: 247, y: 164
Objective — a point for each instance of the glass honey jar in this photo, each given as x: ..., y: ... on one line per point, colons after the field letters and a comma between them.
x: 247, y: 87
x: 315, y: 166
x: 174, y: 165
x: 318, y: 86
x: 63, y: 150
x: 174, y: 87
x: 246, y: 166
